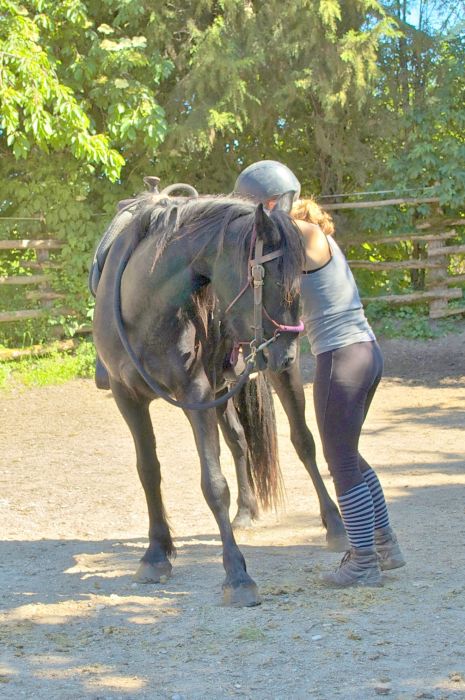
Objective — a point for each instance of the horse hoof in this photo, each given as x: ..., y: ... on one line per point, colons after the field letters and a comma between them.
x: 245, y: 596
x: 242, y: 521
x: 153, y: 573
x: 337, y: 542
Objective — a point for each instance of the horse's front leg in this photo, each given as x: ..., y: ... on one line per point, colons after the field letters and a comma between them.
x: 289, y: 388
x: 238, y: 587
x: 155, y: 563
x: 233, y: 433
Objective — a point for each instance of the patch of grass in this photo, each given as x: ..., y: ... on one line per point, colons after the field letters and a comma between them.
x: 55, y: 368
x: 409, y: 322
x: 250, y: 634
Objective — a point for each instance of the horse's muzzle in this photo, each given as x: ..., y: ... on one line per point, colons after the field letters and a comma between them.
x: 275, y: 359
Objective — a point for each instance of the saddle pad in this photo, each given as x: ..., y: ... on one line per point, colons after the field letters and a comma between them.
x: 121, y: 220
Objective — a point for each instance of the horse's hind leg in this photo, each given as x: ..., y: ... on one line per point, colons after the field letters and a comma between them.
x: 233, y: 433
x: 238, y: 588
x: 288, y: 386
x: 154, y: 563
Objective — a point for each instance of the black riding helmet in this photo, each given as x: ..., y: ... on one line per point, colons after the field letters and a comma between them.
x: 268, y: 179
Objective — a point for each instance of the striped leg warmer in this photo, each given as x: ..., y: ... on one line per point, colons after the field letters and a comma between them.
x: 358, y: 515
x: 379, y: 503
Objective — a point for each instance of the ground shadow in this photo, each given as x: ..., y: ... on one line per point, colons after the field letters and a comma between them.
x: 64, y: 601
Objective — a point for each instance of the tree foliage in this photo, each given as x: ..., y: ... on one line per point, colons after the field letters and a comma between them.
x: 38, y: 110
x: 95, y: 94
x: 421, y: 88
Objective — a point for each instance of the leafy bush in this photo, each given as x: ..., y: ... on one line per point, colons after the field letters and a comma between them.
x: 407, y: 322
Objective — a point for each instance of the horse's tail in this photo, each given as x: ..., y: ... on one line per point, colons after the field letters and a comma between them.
x: 255, y: 408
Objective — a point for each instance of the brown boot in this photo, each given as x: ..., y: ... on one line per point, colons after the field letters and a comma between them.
x: 387, y: 547
x: 359, y: 567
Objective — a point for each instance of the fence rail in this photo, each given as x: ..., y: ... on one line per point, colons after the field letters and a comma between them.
x: 380, y: 203
x: 44, y: 294
x: 436, y: 293
x: 32, y: 244
x: 23, y: 279
x: 440, y: 286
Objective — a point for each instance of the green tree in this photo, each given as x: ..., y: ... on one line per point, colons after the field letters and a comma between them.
x: 38, y: 110
x: 78, y: 101
x: 95, y: 95
x: 420, y: 100
x: 416, y: 136
x: 259, y: 79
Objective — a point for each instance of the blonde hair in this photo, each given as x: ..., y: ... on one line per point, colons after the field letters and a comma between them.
x: 309, y: 210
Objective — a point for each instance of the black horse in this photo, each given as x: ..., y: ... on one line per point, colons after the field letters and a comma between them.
x: 153, y: 332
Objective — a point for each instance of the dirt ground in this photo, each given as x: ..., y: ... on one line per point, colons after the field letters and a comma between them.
x: 74, y: 625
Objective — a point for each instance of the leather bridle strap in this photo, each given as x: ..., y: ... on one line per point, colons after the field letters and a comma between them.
x: 266, y: 258
x: 253, y: 262
x: 258, y: 273
x: 255, y: 278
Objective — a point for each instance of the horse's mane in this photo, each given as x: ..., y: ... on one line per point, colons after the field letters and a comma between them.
x: 209, y: 217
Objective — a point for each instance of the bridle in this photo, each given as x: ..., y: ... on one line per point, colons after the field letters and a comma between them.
x: 255, y: 279
x: 256, y: 274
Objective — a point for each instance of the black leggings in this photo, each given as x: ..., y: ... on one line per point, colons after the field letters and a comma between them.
x: 345, y: 382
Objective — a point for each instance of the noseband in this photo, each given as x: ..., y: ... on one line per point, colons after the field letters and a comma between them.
x: 255, y: 279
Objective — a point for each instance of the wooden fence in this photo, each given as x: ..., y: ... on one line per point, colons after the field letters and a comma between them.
x: 440, y: 286
x: 39, y: 278
x: 436, y: 264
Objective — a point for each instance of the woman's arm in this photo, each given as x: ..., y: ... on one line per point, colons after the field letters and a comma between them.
x: 317, y: 250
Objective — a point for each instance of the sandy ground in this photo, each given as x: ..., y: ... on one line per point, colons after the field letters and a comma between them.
x: 75, y: 625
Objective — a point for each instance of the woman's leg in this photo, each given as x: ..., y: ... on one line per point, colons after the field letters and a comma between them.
x: 386, y: 544
x: 387, y: 547
x: 369, y: 474
x: 343, y: 383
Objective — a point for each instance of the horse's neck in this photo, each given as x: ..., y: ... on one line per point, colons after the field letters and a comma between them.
x: 202, y: 260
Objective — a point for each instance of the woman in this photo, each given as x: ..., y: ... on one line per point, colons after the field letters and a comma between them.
x: 349, y: 366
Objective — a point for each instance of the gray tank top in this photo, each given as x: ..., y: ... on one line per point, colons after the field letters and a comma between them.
x: 332, y: 311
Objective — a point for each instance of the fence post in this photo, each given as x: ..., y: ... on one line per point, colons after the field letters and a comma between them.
x: 437, y: 280
x: 43, y: 257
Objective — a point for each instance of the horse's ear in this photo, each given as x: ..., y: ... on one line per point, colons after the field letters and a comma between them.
x: 285, y: 202
x: 266, y: 230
